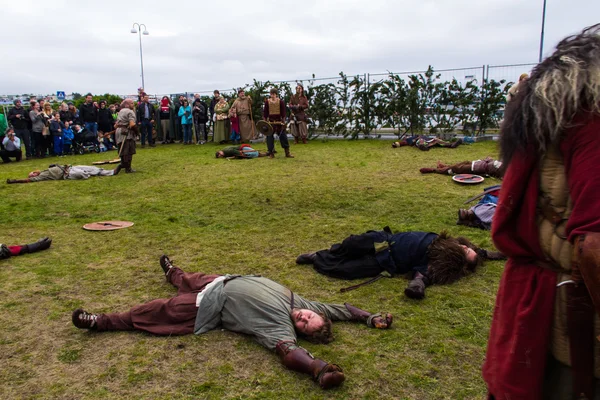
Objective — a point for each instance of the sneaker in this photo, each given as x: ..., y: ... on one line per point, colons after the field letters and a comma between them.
x: 165, y: 264
x: 84, y: 320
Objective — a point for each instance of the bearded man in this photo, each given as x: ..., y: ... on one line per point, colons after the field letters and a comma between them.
x: 487, y: 167
x: 543, y: 344
x: 269, y: 312
x: 126, y: 135
x: 429, y: 258
x: 274, y: 113
x: 298, y: 105
x: 243, y: 108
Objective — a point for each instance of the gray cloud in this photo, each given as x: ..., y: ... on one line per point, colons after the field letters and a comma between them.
x: 80, y: 46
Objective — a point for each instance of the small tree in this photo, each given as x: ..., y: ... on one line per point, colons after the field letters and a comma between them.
x: 493, y: 98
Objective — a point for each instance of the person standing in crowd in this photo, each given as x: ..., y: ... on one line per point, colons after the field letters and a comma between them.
x: 185, y: 113
x: 11, y: 147
x: 125, y: 135
x: 178, y: 128
x: 243, y: 109
x: 543, y: 337
x: 200, y: 116
x: 298, y: 105
x: 213, y: 103
x: 68, y: 137
x: 235, y: 127
x: 141, y: 93
x: 16, y: 117
x: 74, y: 115
x: 48, y: 114
x: 106, y: 122
x: 274, y: 113
x: 88, y: 114
x: 37, y: 129
x: 145, y: 115
x: 165, y: 120
x: 64, y: 112
x: 56, y: 130
x: 221, y: 131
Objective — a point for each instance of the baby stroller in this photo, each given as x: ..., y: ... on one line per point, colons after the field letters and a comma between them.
x: 86, y: 141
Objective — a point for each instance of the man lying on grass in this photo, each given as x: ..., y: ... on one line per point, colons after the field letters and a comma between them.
x: 488, y: 166
x: 19, y: 250
x: 239, y: 151
x: 60, y: 172
x: 430, y: 258
x: 252, y: 305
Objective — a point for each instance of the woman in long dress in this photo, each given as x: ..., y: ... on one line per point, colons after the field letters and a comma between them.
x: 221, y: 126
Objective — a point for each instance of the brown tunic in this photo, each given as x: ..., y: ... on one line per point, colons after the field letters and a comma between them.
x: 124, y: 134
x: 243, y: 108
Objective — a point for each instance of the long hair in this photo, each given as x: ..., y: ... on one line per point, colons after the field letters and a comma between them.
x: 448, y: 261
x: 563, y: 85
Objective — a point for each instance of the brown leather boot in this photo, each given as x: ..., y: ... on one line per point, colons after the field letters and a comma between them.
x: 304, y: 140
x: 271, y: 155
x: 295, y: 140
x: 287, y: 153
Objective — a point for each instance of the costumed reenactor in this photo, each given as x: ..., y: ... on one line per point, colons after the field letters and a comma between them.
x: 487, y: 167
x: 274, y: 113
x: 425, y: 143
x: 126, y: 135
x: 545, y: 333
x: 243, y: 151
x: 298, y: 105
x: 259, y: 307
x: 19, y: 250
x: 429, y: 258
x: 63, y: 172
x: 243, y: 109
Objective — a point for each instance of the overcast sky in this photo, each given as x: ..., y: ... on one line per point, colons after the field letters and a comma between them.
x: 82, y: 45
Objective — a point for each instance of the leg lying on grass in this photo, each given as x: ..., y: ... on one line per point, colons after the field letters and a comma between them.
x: 11, y: 251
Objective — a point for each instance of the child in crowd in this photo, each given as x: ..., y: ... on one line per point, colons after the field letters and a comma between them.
x: 235, y: 126
x: 56, y: 128
x: 113, y: 111
x: 67, y: 139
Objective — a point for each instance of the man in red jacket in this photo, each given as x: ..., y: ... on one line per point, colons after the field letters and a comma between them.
x: 542, y: 341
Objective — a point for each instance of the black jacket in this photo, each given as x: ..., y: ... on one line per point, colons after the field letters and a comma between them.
x: 141, y: 111
x: 105, y: 120
x: 200, y: 112
x: 88, y: 113
x: 18, y: 123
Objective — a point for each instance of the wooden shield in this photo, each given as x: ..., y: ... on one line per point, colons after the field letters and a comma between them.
x: 115, y: 161
x: 107, y: 225
x: 468, y: 179
x: 265, y: 128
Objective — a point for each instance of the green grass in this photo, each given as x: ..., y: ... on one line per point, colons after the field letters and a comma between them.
x: 247, y: 217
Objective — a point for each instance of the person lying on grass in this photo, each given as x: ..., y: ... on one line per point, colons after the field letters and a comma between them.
x: 239, y: 151
x: 425, y: 143
x: 19, y: 250
x: 252, y: 305
x: 430, y: 258
x: 60, y: 172
x: 488, y: 166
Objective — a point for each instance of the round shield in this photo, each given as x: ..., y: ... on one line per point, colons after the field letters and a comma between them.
x: 264, y: 127
x: 107, y: 225
x: 469, y: 179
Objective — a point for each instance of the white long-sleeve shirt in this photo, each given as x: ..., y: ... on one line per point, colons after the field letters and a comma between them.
x: 9, y: 145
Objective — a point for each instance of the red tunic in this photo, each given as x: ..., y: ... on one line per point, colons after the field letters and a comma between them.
x: 520, y: 332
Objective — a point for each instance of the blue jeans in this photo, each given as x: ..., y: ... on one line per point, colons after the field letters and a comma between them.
x: 58, y: 145
x: 187, y: 133
x: 146, y: 130
x: 92, y: 127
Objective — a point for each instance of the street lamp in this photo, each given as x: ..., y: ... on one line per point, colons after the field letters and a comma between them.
x: 542, y: 34
x: 139, y: 30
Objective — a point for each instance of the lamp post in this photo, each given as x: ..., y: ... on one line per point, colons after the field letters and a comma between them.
x: 542, y: 34
x: 146, y: 33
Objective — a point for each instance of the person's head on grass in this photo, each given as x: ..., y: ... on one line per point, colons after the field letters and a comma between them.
x: 314, y: 327
x: 451, y: 259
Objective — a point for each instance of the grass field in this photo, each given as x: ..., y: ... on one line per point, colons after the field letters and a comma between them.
x: 246, y: 217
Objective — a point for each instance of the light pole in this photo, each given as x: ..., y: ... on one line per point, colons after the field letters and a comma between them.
x: 139, y: 30
x: 542, y: 34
